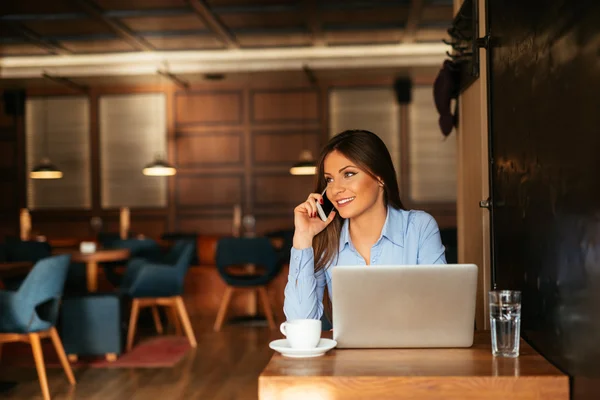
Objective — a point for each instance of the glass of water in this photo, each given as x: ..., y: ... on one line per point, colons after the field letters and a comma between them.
x: 505, y: 321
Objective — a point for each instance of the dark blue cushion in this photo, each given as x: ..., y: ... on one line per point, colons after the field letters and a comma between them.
x: 241, y: 251
x: 91, y: 325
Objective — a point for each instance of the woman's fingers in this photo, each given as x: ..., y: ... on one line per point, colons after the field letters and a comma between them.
x: 315, y: 196
x: 312, y: 206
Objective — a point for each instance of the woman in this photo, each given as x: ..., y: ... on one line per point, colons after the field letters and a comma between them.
x: 369, y: 225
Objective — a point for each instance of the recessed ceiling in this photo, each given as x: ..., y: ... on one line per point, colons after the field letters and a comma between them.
x: 71, y: 28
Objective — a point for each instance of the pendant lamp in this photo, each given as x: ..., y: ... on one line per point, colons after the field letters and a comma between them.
x: 306, y: 165
x: 45, y: 169
x: 159, y: 167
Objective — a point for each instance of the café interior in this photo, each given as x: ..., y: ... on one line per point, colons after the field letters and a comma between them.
x: 152, y: 153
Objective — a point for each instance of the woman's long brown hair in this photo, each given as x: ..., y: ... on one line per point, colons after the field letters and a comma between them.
x: 370, y: 154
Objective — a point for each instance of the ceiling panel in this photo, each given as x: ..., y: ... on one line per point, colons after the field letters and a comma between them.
x: 68, y: 27
x: 274, y: 40
x: 362, y: 37
x: 97, y: 46
x: 183, y: 22
x: 21, y: 50
x: 219, y: 3
x: 139, y: 4
x: 185, y: 42
x: 35, y: 7
x: 388, y: 15
x: 263, y: 20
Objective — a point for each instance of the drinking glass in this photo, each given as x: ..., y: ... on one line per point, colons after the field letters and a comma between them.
x: 505, y: 322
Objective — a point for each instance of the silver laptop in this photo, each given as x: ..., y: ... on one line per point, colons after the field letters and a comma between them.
x: 412, y: 306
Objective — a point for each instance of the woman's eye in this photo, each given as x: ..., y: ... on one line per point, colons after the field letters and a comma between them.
x: 328, y: 180
x: 349, y: 174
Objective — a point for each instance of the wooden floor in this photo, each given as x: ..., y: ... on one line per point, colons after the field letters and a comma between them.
x: 224, y: 366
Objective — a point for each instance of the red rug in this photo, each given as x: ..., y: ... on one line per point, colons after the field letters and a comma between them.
x: 158, y: 352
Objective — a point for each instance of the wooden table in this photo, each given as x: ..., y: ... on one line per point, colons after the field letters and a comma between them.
x: 10, y: 269
x: 457, y: 374
x: 92, y: 259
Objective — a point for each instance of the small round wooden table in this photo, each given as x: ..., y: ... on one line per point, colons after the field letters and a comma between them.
x: 92, y: 259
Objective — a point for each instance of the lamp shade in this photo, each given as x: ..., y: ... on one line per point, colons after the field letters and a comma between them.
x: 306, y: 165
x: 159, y: 167
x: 45, y: 170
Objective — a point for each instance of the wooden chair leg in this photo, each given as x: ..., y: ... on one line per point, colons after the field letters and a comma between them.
x: 264, y: 298
x: 38, y: 356
x: 223, y: 308
x: 185, y: 320
x: 157, y: 322
x: 61, y: 355
x: 174, y: 320
x: 135, y: 309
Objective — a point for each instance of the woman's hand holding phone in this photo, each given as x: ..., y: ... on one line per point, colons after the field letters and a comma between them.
x: 307, y: 221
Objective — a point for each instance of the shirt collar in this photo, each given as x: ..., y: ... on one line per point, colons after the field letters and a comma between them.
x: 393, y: 229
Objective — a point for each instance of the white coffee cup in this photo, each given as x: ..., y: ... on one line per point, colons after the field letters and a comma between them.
x: 302, y: 333
x: 87, y: 247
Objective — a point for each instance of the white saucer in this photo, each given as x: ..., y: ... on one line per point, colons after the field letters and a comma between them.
x: 283, y: 347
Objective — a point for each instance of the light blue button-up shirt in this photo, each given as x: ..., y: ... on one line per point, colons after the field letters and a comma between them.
x: 407, y: 238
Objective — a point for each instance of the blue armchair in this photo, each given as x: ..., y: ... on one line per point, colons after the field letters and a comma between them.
x: 152, y: 283
x: 138, y: 248
x: 244, y: 252
x: 30, y: 313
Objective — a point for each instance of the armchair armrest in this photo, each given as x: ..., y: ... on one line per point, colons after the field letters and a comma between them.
x: 156, y: 280
x: 133, y: 268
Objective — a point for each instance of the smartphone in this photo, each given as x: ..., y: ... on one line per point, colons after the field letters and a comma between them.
x: 326, y: 208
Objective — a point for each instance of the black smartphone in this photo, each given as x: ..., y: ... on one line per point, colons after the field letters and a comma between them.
x: 326, y: 208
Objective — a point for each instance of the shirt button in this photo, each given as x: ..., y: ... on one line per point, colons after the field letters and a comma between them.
x: 296, y: 258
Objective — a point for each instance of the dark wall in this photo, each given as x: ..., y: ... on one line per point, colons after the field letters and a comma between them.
x: 9, y: 167
x: 545, y: 77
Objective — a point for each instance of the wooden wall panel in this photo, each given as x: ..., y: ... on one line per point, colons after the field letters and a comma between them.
x: 62, y: 227
x: 8, y: 225
x: 270, y: 223
x: 282, y: 189
x: 8, y: 153
x: 283, y: 148
x: 209, y: 108
x: 300, y: 106
x: 206, y: 224
x: 210, y: 149
x: 8, y: 196
x: 10, y: 184
x: 150, y: 226
x: 6, y: 121
x: 209, y: 191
